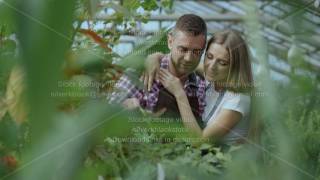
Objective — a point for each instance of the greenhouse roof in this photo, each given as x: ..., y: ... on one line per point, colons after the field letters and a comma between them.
x: 280, y: 26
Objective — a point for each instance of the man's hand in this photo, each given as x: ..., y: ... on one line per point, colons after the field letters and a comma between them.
x: 153, y: 114
x: 159, y: 112
x: 131, y: 103
x: 152, y: 66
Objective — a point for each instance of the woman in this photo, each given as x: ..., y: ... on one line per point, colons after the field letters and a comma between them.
x: 227, y: 70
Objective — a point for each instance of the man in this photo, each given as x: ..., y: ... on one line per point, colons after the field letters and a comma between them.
x: 186, y: 42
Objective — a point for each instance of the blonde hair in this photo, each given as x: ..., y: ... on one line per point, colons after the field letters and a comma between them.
x: 240, y: 75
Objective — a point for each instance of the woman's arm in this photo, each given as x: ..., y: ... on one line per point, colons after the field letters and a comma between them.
x: 188, y: 119
x: 152, y: 66
x: 174, y: 86
x: 225, y: 121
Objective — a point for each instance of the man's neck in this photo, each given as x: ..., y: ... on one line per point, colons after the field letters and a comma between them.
x: 173, y: 71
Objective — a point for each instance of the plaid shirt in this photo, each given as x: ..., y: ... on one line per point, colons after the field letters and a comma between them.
x: 125, y: 88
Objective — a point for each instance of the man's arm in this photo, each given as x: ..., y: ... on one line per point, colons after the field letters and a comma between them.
x: 124, y: 89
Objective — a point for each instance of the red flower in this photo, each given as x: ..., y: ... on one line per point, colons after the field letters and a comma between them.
x: 10, y: 161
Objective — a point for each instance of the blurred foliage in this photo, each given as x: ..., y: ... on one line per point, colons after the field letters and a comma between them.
x: 68, y: 130
x: 125, y: 16
x: 116, y: 159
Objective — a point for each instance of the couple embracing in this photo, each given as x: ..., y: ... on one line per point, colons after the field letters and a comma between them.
x: 210, y: 97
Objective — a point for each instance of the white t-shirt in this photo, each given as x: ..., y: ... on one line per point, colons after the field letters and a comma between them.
x: 227, y: 100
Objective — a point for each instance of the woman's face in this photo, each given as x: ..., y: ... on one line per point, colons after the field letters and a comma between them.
x: 216, y: 63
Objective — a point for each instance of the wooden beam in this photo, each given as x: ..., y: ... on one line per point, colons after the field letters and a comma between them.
x: 283, y: 56
x: 221, y: 17
x: 273, y: 67
x: 284, y: 28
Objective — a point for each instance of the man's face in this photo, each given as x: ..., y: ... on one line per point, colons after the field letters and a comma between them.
x: 186, y: 51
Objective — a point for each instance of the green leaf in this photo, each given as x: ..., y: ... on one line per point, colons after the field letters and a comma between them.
x: 143, y: 171
x: 234, y: 148
x: 9, y: 132
x: 166, y: 151
x: 209, y: 168
x: 7, y: 26
x: 167, y: 3
x: 8, y: 46
x: 149, y: 5
x: 205, y: 146
x: 131, y: 4
x: 136, y: 58
x: 210, y: 158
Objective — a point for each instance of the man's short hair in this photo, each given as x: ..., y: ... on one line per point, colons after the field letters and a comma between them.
x: 190, y: 23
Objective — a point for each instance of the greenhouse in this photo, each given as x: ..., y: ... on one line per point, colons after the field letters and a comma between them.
x: 160, y: 89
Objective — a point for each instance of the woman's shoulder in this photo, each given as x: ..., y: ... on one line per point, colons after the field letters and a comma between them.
x: 230, y: 95
x: 237, y: 101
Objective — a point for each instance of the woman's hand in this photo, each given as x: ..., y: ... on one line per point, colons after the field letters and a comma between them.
x: 152, y: 66
x: 171, y: 83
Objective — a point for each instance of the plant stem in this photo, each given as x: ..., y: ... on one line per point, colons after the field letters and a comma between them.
x: 123, y: 158
x: 75, y: 32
